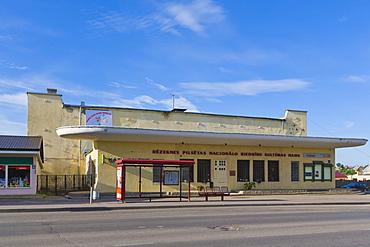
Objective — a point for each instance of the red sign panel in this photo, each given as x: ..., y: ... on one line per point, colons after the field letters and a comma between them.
x: 20, y: 167
x: 119, y: 183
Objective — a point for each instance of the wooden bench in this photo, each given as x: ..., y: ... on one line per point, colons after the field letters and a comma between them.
x: 214, y: 191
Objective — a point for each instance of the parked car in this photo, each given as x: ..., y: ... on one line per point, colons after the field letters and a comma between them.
x: 355, y: 186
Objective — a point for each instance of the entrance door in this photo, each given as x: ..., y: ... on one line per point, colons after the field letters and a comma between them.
x: 220, y: 173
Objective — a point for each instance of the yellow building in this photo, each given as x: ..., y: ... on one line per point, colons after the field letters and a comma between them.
x: 227, y: 150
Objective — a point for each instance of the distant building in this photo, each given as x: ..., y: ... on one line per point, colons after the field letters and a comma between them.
x: 361, y: 175
x: 340, y: 176
x: 227, y: 150
x: 21, y: 158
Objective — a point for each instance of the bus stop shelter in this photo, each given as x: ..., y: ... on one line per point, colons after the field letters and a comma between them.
x: 131, y: 182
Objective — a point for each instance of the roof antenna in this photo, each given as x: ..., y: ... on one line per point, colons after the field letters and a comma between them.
x: 173, y: 101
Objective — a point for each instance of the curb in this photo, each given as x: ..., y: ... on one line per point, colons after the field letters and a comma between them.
x: 87, y: 209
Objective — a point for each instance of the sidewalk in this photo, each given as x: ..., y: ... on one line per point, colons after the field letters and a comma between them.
x: 56, y: 203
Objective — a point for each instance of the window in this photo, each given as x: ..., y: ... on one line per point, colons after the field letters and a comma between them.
x: 258, y: 170
x: 204, y: 170
x: 273, y: 170
x: 2, y: 177
x: 308, y: 171
x: 243, y: 170
x: 294, y: 171
x: 317, y: 171
x: 187, y: 172
x: 15, y: 176
x: 327, y: 173
x: 157, y: 170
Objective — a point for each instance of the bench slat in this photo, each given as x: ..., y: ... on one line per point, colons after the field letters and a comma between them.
x: 215, y: 191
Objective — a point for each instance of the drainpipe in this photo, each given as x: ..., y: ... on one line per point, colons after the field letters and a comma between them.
x: 80, y: 142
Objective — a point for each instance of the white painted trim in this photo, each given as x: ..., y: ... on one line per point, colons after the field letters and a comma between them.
x: 20, y: 152
x: 103, y: 133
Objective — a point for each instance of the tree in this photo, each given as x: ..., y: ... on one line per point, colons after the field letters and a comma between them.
x: 345, y: 170
x: 340, y: 166
x: 348, y: 171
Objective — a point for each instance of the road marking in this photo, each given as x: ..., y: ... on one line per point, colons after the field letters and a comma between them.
x: 134, y: 244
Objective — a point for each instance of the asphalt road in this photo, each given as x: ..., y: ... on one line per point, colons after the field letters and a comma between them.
x: 316, y: 225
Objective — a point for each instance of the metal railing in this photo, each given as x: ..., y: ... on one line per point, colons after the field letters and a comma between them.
x: 62, y: 184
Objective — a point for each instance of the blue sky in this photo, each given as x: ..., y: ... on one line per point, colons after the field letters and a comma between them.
x: 246, y: 58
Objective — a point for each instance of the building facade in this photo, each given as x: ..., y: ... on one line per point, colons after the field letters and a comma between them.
x: 21, y: 160
x: 276, y: 153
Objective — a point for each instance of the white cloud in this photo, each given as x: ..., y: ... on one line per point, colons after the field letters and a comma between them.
x: 160, y: 86
x: 14, y: 84
x: 193, y: 16
x: 119, y: 22
x: 356, y: 78
x: 13, y: 118
x: 182, y: 102
x: 12, y: 128
x: 224, y: 70
x: 166, y: 25
x: 144, y: 100
x: 137, y: 102
x: 10, y: 65
x: 348, y: 124
x: 148, y: 80
x: 18, y: 98
x: 5, y: 37
x: 254, y: 87
x: 120, y: 85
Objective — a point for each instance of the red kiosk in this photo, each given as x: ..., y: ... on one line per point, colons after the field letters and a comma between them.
x: 167, y: 177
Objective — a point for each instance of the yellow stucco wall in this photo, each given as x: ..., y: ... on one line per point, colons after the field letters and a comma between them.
x: 47, y: 112
x: 115, y: 150
x: 294, y: 122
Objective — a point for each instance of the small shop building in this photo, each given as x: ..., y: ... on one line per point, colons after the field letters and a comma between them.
x: 21, y: 159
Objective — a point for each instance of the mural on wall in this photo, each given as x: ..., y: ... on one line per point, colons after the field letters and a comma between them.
x: 99, y: 117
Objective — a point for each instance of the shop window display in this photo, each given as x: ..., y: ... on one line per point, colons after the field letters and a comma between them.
x: 15, y: 176
x: 2, y: 177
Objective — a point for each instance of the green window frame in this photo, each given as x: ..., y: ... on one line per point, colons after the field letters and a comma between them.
x: 318, y: 171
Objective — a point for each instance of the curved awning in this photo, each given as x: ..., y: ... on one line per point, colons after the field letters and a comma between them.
x: 162, y: 162
x: 123, y: 134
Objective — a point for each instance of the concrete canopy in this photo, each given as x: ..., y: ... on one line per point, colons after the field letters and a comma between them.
x: 123, y: 134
